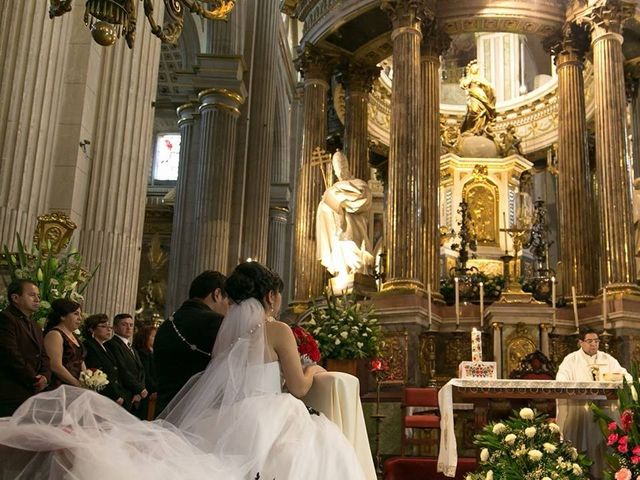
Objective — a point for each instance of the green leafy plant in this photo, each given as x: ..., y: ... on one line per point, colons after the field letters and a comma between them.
x: 492, y: 284
x: 344, y: 328
x: 527, y: 447
x: 57, y: 275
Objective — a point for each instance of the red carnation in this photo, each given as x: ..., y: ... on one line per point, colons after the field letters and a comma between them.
x: 378, y: 365
x: 626, y: 419
x: 636, y: 450
x: 612, y: 427
x: 622, y: 444
x: 612, y: 439
x: 635, y: 460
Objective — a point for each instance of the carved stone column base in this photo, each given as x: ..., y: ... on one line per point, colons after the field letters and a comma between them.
x: 402, y: 285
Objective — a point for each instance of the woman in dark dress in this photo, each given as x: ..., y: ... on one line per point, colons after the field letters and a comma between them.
x: 97, y: 330
x: 143, y: 343
x: 63, y: 347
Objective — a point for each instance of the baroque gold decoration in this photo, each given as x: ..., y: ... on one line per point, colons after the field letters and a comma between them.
x: 108, y: 20
x: 482, y: 196
x: 395, y: 353
x: 53, y: 232
x: 519, y: 344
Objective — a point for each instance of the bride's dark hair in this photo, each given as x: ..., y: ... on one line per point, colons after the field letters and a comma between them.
x: 252, y: 280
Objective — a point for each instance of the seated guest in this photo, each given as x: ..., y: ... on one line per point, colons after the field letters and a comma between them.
x: 143, y: 344
x: 574, y: 417
x: 65, y: 351
x: 129, y: 364
x: 97, y: 330
x: 184, y: 342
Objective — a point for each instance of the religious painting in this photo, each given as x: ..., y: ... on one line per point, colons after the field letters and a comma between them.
x: 482, y: 196
x: 519, y: 344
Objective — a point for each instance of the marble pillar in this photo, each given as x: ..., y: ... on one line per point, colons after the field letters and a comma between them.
x: 405, y: 213
x: 219, y: 110
x: 31, y: 72
x: 358, y: 80
x: 612, y: 157
x: 262, y: 99
x: 111, y: 232
x: 181, y: 271
x: 574, y: 186
x: 278, y: 220
x: 308, y: 272
x: 433, y: 45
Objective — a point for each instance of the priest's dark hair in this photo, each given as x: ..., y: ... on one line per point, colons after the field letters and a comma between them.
x: 586, y: 331
x: 252, y: 280
x: 206, y: 283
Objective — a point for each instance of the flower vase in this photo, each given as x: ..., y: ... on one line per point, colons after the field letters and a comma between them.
x: 349, y: 365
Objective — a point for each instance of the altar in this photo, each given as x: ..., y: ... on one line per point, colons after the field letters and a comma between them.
x: 480, y: 391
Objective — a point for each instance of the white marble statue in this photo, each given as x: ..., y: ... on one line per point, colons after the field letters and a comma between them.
x: 342, y: 221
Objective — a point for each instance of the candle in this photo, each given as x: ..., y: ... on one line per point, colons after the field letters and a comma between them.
x: 575, y: 306
x: 476, y: 345
x: 429, y: 301
x: 504, y: 219
x: 553, y: 299
x: 604, y: 308
x: 481, y: 304
x: 457, y: 290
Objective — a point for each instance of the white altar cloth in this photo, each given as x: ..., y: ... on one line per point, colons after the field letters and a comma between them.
x: 507, y: 388
x: 337, y: 395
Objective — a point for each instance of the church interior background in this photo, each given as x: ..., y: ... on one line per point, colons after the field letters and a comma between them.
x: 518, y: 181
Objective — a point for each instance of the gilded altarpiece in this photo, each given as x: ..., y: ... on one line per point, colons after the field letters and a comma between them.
x: 482, y: 196
x: 519, y: 343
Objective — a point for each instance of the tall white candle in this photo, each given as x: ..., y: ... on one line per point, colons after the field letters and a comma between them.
x: 429, y: 302
x: 457, y: 290
x: 553, y: 299
x: 575, y: 305
x: 476, y: 345
x: 504, y: 220
x: 481, y: 304
x: 604, y: 308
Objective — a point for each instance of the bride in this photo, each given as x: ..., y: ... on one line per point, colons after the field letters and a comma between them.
x: 231, y: 422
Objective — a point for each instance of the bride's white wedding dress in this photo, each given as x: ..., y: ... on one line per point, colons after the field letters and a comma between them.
x: 231, y: 423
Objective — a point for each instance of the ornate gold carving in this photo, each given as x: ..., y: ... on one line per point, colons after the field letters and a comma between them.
x: 518, y: 345
x: 427, y: 356
x: 53, y: 232
x: 482, y: 195
x: 395, y: 353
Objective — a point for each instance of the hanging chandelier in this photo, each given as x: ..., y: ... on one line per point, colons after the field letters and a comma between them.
x: 109, y: 20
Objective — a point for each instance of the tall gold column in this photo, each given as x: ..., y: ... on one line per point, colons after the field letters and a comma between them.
x: 182, y: 242
x: 618, y: 268
x: 632, y: 70
x: 358, y: 80
x: 433, y: 44
x: 574, y: 184
x: 219, y: 110
x: 406, y: 167
x: 308, y: 272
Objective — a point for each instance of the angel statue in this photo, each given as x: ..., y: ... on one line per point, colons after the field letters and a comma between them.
x: 342, y: 221
x: 481, y: 101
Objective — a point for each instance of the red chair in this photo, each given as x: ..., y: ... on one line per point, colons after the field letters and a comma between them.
x: 426, y: 419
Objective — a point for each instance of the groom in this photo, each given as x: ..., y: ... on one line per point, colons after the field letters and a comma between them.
x: 184, y: 342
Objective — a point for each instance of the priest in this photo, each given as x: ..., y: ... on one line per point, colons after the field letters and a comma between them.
x: 574, y: 417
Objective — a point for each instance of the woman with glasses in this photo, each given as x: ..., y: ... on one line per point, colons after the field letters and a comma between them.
x: 97, y: 330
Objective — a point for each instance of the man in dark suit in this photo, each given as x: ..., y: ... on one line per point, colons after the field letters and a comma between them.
x: 24, y: 364
x: 184, y: 342
x: 129, y: 365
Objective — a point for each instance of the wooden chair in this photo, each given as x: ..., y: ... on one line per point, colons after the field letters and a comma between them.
x: 426, y: 419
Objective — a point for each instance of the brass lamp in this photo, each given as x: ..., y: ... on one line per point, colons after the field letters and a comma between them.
x: 108, y: 20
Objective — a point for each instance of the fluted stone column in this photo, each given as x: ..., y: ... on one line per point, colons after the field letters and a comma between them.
x: 255, y: 225
x: 32, y: 52
x: 574, y: 186
x: 358, y: 80
x: 278, y: 219
x: 618, y: 268
x: 111, y: 233
x: 182, y: 242
x: 433, y: 44
x: 219, y: 110
x: 308, y: 272
x: 633, y: 88
x: 406, y: 164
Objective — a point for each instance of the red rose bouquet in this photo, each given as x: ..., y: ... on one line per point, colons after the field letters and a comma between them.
x: 307, y: 346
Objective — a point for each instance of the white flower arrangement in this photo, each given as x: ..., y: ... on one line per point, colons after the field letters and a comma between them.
x: 527, y: 447
x: 93, y: 379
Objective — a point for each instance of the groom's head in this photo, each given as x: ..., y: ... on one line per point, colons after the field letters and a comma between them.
x: 208, y: 287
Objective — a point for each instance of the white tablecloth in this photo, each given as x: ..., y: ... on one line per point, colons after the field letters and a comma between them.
x: 337, y: 395
x: 448, y: 453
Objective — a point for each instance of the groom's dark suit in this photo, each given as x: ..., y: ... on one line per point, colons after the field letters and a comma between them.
x: 98, y: 356
x: 129, y: 365
x: 176, y: 362
x: 22, y: 357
